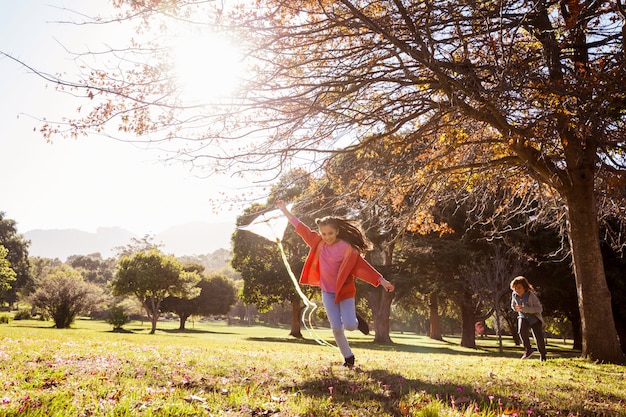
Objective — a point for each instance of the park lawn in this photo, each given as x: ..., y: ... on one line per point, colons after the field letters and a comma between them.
x: 213, y: 369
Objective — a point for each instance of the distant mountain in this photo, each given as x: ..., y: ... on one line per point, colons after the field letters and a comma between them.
x: 185, y: 239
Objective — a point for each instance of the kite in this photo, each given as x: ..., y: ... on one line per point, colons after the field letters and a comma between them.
x: 272, y: 225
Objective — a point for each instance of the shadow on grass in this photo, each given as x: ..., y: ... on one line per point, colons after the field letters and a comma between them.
x: 396, y: 395
x: 391, y: 390
x: 28, y: 326
x: 395, y: 347
x: 286, y: 339
x: 192, y: 332
x: 437, y: 347
x: 121, y: 330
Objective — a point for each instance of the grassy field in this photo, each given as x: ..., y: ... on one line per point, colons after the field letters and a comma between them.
x: 217, y: 370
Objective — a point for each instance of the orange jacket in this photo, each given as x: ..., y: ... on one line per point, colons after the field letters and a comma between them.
x: 353, y: 266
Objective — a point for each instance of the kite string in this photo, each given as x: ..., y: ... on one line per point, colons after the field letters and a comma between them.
x: 310, y: 305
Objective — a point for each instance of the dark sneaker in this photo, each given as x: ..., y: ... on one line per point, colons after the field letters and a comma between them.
x: 363, y: 326
x: 528, y: 354
x: 349, y: 362
x: 543, y: 358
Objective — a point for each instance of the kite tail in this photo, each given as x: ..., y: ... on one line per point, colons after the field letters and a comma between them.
x: 310, y: 306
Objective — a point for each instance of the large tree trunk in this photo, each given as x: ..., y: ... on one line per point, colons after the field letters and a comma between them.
x: 152, y: 309
x: 435, y: 324
x: 468, y: 318
x: 153, y: 322
x: 380, y: 303
x: 296, y: 309
x: 183, y: 319
x: 576, y: 333
x: 599, y: 336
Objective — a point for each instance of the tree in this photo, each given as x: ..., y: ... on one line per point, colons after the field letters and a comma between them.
x: 217, y: 296
x: 94, y: 268
x: 265, y: 280
x: 489, y: 277
x: 63, y: 295
x: 151, y: 277
x: 144, y: 244
x: 615, y: 264
x: 435, y: 266
x: 218, y: 260
x: 7, y: 275
x: 529, y: 92
x: 39, y: 268
x: 17, y: 256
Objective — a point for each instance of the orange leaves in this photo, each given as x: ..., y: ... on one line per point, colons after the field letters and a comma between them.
x: 571, y: 12
x: 423, y: 223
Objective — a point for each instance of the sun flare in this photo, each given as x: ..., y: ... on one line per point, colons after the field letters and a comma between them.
x: 208, y: 67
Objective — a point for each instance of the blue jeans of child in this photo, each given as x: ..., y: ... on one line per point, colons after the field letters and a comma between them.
x: 524, y: 327
x: 342, y: 316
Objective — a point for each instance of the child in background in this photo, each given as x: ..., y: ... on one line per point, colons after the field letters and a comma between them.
x: 526, y: 304
x: 333, y: 261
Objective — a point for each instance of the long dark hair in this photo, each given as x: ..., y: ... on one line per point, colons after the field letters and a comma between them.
x: 349, y: 231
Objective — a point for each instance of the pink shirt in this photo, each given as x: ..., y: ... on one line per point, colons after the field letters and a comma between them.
x: 331, y: 257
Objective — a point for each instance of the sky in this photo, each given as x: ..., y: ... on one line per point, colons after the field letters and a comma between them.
x: 88, y: 182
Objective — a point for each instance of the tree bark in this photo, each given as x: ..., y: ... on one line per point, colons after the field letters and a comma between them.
x: 183, y: 319
x: 468, y: 318
x: 599, y: 336
x: 152, y: 308
x: 435, y: 324
x: 380, y: 303
x: 153, y: 322
x: 296, y: 309
x: 576, y: 333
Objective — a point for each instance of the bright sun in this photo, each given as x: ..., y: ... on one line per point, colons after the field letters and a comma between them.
x: 208, y: 67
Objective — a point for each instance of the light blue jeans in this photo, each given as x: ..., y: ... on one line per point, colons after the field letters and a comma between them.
x: 342, y: 316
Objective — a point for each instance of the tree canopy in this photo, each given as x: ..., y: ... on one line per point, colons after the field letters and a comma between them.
x: 7, y: 275
x: 151, y: 277
x: 17, y: 256
x: 217, y: 295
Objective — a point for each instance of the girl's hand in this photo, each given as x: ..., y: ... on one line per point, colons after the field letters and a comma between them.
x: 283, y: 207
x: 387, y: 285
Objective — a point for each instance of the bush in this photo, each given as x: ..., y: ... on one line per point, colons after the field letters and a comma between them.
x: 118, y: 317
x: 63, y: 294
x: 22, y: 315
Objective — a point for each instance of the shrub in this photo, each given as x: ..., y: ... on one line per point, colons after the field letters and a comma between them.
x: 22, y: 315
x: 118, y: 317
x: 63, y: 294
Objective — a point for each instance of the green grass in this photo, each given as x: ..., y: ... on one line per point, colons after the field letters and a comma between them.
x: 217, y: 370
